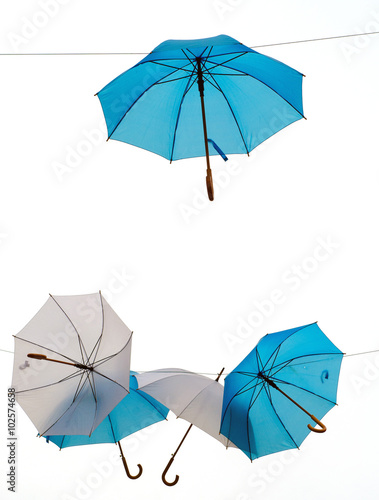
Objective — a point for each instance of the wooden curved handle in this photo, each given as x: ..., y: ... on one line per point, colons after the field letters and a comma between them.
x: 36, y: 356
x: 315, y: 429
x: 130, y: 476
x: 209, y: 182
x: 167, y: 483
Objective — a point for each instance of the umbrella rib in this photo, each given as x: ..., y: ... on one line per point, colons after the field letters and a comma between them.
x: 176, y: 68
x: 268, y: 392
x: 81, y: 345
x: 197, y: 395
x: 79, y: 386
x: 174, y: 79
x: 97, y: 345
x: 228, y: 74
x: 268, y: 86
x: 107, y: 358
x: 316, y: 360
x: 111, y: 426
x: 114, y: 381
x: 240, y: 391
x: 143, y: 395
x: 138, y: 98
x: 275, y: 355
x: 93, y: 389
x: 216, y: 64
x: 251, y: 404
x: 231, y: 110
x: 287, y: 362
x: 303, y: 389
x: 284, y: 340
x: 59, y: 418
x: 47, y: 348
x: 179, y: 110
x: 169, y: 373
x: 50, y: 385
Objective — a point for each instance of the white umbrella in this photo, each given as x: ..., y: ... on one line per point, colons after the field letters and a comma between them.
x: 71, y: 364
x: 193, y: 397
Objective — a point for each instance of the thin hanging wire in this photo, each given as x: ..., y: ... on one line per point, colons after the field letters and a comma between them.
x: 225, y: 374
x: 146, y: 53
x: 360, y: 353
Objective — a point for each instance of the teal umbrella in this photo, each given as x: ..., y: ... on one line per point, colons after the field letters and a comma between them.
x: 193, y: 98
x: 287, y: 380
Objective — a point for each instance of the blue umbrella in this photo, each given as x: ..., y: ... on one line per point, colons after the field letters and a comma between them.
x: 191, y: 98
x: 288, y: 378
x: 135, y: 412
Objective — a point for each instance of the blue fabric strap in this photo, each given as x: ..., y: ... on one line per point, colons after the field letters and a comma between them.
x: 221, y: 153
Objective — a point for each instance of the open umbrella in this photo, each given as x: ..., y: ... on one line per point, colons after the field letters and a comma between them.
x: 289, y: 378
x: 135, y: 412
x: 71, y: 364
x: 191, y: 98
x: 193, y: 397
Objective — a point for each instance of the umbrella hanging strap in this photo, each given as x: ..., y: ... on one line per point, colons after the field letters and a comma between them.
x: 219, y: 151
x: 315, y: 419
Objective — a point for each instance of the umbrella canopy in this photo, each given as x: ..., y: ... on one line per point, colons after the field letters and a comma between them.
x: 269, y: 398
x: 191, y: 98
x: 135, y: 412
x: 193, y: 397
x: 71, y: 364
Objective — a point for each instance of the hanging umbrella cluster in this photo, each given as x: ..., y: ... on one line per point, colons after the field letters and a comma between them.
x: 205, y: 97
x: 186, y: 99
x: 288, y: 380
x: 77, y: 387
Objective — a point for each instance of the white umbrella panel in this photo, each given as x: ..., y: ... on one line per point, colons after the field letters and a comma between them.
x: 72, y: 364
x: 193, y: 397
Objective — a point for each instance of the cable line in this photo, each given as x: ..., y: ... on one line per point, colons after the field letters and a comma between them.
x: 146, y: 53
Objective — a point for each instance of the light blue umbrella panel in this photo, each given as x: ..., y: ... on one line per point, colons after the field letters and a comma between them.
x: 193, y: 98
x: 135, y: 412
x: 289, y: 378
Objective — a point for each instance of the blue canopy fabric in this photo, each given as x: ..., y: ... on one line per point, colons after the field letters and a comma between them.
x: 135, y: 412
x: 303, y: 363
x: 248, y: 97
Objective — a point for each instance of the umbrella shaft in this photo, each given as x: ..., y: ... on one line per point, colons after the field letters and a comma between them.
x: 219, y: 375
x: 181, y: 442
x: 45, y: 358
x: 200, y: 82
x: 272, y: 384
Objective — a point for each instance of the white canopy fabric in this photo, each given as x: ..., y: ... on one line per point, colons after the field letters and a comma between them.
x: 193, y: 397
x: 82, y: 330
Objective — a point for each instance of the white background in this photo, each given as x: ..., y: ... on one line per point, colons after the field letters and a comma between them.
x: 184, y: 274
